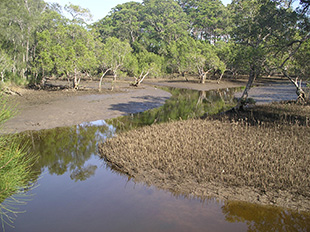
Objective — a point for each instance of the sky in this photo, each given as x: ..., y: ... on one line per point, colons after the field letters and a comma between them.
x: 100, y: 8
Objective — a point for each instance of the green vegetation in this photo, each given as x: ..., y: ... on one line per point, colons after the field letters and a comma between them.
x: 15, y: 170
x: 154, y: 38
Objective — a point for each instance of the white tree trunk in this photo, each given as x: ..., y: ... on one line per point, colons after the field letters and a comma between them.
x: 101, y: 78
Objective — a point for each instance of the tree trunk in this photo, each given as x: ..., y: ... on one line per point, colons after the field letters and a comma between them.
x: 76, y: 82
x: 114, y: 75
x: 68, y: 78
x: 252, y: 76
x: 220, y: 78
x: 203, y: 76
x: 101, y: 78
x: 139, y: 80
x: 301, y: 95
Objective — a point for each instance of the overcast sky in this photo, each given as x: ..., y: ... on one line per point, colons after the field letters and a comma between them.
x: 99, y: 8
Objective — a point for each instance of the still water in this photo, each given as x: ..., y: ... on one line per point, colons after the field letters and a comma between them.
x: 76, y: 191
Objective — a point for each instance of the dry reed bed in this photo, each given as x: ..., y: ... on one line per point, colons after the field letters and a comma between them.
x: 264, y: 163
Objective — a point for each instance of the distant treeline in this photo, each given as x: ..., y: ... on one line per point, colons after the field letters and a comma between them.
x: 154, y: 38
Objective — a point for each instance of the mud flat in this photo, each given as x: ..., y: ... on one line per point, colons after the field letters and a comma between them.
x: 58, y: 107
x: 42, y: 109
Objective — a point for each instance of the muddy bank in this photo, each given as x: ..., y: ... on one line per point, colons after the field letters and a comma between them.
x: 41, y: 109
x: 262, y: 162
x: 57, y: 107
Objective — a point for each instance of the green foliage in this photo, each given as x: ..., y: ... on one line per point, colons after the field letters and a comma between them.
x: 147, y: 63
x: 266, y: 32
x: 189, y: 55
x: 79, y: 15
x: 123, y: 22
x: 248, y: 33
x: 301, y: 59
x: 68, y: 50
x: 116, y: 54
x: 5, y: 65
x: 212, y: 62
x: 18, y: 24
x: 181, y: 55
x: 5, y: 112
x: 191, y: 36
x: 15, y: 169
x: 209, y: 19
x: 164, y: 22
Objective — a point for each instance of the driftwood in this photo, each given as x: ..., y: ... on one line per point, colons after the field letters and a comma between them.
x: 9, y: 91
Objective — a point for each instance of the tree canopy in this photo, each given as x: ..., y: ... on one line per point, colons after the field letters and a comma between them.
x: 155, y: 37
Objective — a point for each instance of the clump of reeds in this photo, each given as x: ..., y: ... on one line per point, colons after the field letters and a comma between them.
x: 15, y: 170
x: 264, y: 162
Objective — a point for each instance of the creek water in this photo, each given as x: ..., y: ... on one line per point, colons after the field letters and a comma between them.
x: 77, y: 191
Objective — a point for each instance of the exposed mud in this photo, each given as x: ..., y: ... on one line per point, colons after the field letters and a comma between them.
x: 235, y: 158
x: 57, y: 106
x: 45, y: 109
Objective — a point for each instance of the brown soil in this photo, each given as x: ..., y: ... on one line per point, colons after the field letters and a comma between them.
x: 57, y: 107
x: 235, y: 157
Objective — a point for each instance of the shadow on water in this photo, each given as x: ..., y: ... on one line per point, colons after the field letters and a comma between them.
x: 78, y: 192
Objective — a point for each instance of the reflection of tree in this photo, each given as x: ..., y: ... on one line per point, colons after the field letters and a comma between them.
x: 83, y: 173
x: 262, y: 218
x: 183, y: 104
x: 59, y: 150
x: 67, y: 149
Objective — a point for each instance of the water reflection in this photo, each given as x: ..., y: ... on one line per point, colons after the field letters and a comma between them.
x: 78, y: 192
x: 262, y: 218
x: 59, y: 151
x: 67, y: 149
x: 183, y: 104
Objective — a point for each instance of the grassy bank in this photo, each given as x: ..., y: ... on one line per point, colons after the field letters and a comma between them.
x: 260, y: 155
